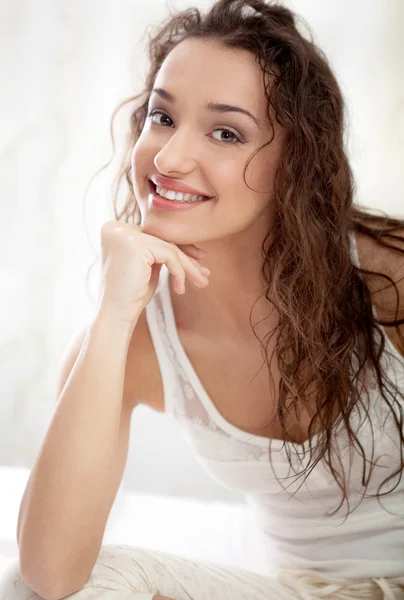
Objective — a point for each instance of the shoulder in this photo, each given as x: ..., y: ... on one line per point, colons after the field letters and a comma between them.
x: 377, y: 258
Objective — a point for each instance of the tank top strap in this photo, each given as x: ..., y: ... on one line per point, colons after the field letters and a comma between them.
x: 156, y: 320
x: 181, y: 395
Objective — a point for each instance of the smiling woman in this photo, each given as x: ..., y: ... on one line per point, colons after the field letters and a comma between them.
x: 195, y: 135
x: 236, y: 150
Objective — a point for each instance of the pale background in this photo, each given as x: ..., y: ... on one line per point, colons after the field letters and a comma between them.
x: 65, y: 65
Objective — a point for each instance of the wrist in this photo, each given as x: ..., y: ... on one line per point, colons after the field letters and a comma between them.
x: 109, y: 321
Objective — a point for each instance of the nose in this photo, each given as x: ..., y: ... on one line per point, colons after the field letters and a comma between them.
x: 177, y: 155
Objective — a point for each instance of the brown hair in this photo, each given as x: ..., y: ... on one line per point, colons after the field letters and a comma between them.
x: 326, y: 317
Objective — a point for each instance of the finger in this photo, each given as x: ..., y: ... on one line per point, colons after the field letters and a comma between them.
x: 170, y: 257
x: 193, y: 251
x: 196, y: 272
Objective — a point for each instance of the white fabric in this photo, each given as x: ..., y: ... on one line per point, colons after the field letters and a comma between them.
x: 124, y: 573
x: 296, y: 530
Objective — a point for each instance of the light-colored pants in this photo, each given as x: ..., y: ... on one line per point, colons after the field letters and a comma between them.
x: 132, y: 573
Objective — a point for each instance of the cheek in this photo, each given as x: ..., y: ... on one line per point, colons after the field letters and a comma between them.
x: 139, y: 160
x: 227, y: 176
x: 142, y: 159
x: 260, y: 173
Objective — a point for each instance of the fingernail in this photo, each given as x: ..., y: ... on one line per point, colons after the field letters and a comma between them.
x: 201, y: 251
x: 205, y: 270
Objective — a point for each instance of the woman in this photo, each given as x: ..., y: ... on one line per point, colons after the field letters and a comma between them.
x: 243, y: 119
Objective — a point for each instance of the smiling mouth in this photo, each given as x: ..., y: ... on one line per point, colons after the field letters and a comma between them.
x: 153, y: 189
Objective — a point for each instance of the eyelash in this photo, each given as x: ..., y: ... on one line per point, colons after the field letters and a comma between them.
x: 237, y: 137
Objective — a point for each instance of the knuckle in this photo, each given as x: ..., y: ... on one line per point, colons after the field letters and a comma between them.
x: 119, y: 230
x: 106, y: 227
x: 111, y: 228
x: 172, y: 252
x: 173, y: 247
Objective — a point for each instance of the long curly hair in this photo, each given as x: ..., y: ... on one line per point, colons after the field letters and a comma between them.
x: 327, y: 329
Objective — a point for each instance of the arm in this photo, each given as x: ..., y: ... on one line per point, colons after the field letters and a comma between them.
x: 79, y: 467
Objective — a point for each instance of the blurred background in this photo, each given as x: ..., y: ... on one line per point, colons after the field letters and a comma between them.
x: 64, y: 66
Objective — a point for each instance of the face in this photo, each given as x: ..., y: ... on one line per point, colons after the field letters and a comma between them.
x: 188, y: 143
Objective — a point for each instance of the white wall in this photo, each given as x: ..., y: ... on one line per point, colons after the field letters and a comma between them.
x: 64, y: 67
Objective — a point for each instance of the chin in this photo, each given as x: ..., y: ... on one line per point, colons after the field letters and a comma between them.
x: 169, y: 232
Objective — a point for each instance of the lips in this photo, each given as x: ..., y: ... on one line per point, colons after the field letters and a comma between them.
x: 176, y: 186
x: 161, y: 204
x: 153, y: 189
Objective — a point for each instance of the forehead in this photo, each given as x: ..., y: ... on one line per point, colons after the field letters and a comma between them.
x: 213, y: 72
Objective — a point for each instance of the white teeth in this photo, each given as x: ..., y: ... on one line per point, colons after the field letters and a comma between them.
x: 178, y: 196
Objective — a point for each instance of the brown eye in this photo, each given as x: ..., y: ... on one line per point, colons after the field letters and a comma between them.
x: 153, y: 113
x: 233, y: 137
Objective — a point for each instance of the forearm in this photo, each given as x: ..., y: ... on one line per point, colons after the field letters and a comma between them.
x: 74, y: 479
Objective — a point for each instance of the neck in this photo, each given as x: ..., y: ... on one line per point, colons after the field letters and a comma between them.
x: 235, y: 289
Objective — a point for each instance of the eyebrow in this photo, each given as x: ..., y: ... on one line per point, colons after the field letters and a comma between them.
x: 211, y: 106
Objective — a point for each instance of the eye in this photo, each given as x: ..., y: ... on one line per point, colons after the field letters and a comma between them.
x: 234, y: 139
x: 153, y: 113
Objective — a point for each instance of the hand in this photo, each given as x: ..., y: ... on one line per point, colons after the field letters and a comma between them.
x: 131, y: 264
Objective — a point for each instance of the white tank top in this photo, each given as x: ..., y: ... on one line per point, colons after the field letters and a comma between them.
x: 292, y: 516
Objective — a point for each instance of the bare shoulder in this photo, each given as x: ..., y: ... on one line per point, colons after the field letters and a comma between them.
x: 376, y: 257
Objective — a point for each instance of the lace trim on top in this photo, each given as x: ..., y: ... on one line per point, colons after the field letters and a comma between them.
x: 210, y: 435
x: 207, y: 438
